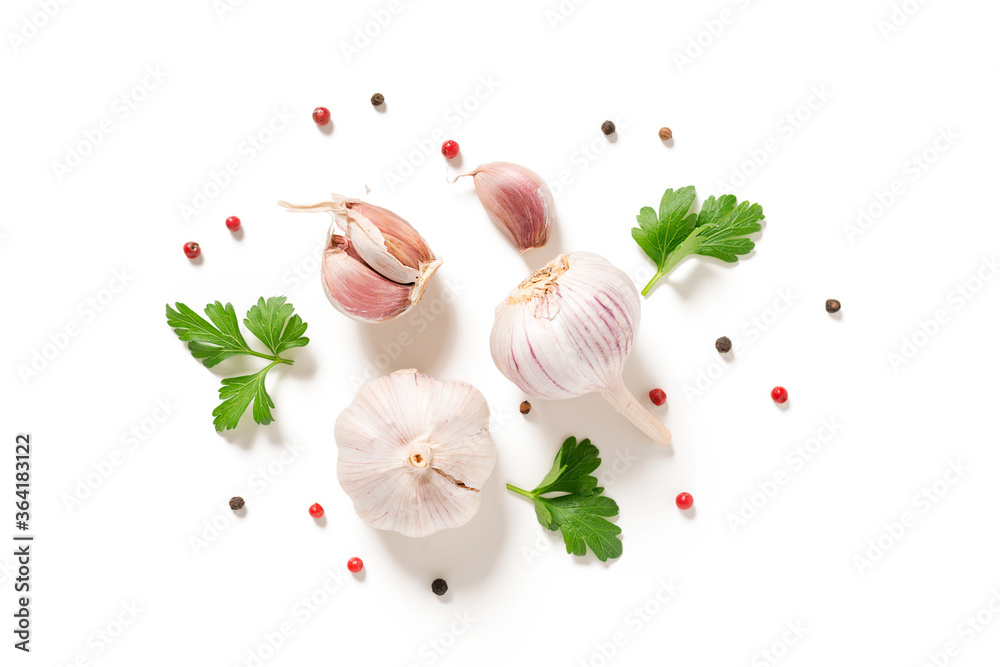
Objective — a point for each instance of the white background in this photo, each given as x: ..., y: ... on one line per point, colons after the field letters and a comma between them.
x: 810, y: 109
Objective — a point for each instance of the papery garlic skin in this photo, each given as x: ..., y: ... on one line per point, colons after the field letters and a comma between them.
x: 379, y: 268
x: 414, y: 452
x: 567, y: 330
x: 518, y: 202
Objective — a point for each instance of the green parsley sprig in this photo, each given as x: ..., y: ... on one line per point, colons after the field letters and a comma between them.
x: 719, y: 230
x: 271, y: 322
x: 579, y: 513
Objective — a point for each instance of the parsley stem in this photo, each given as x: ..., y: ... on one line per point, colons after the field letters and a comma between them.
x: 276, y: 360
x: 649, y: 285
x: 526, y: 494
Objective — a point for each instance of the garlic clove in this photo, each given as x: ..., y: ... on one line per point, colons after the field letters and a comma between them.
x: 414, y: 453
x: 518, y: 202
x: 384, y: 252
x: 356, y: 290
x: 386, y: 242
x: 401, y: 239
x: 379, y: 268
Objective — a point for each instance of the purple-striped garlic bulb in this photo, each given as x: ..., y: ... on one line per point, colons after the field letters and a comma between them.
x: 567, y: 331
x: 378, y: 268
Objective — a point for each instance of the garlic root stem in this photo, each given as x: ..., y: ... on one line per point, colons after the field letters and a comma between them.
x: 322, y: 206
x: 627, y: 404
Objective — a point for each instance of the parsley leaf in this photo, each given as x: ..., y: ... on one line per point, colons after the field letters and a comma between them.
x: 579, y: 513
x: 571, y: 469
x: 237, y: 394
x: 579, y: 518
x: 719, y: 230
x: 220, y: 338
x: 273, y: 323
x: 211, y: 344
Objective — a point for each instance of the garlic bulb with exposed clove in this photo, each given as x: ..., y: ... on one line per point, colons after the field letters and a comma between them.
x: 379, y: 268
x: 517, y: 200
x: 567, y: 331
x: 414, y: 453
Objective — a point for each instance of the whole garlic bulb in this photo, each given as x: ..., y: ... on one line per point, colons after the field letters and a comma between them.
x: 518, y: 202
x: 414, y: 453
x: 379, y: 268
x: 567, y: 331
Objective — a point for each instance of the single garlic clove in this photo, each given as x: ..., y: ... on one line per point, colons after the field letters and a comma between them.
x: 401, y: 239
x: 359, y: 292
x: 414, y: 453
x: 518, y: 201
x: 386, y: 242
x: 379, y: 268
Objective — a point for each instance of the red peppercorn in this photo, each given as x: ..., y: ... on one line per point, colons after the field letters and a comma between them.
x: 192, y: 249
x: 779, y: 394
x: 658, y: 396
x: 321, y: 115
x: 355, y: 565
x: 685, y: 501
x: 233, y: 223
x: 316, y: 510
x: 449, y: 149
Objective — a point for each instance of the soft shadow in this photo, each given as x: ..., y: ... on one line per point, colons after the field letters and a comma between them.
x: 697, y: 276
x: 462, y: 556
x: 248, y: 431
x: 418, y: 339
x: 304, y: 366
x: 238, y: 234
x: 640, y: 379
x: 536, y: 258
x: 238, y: 365
x: 593, y: 417
x: 326, y: 129
x: 702, y: 272
x: 382, y: 107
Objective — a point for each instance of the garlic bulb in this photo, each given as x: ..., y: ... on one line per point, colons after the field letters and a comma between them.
x: 379, y: 268
x: 414, y: 453
x: 567, y: 331
x: 517, y: 200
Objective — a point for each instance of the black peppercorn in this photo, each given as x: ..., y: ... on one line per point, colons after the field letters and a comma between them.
x: 723, y: 345
x: 525, y: 407
x: 378, y: 99
x: 236, y: 503
x: 439, y: 586
x: 832, y: 305
x: 608, y: 127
